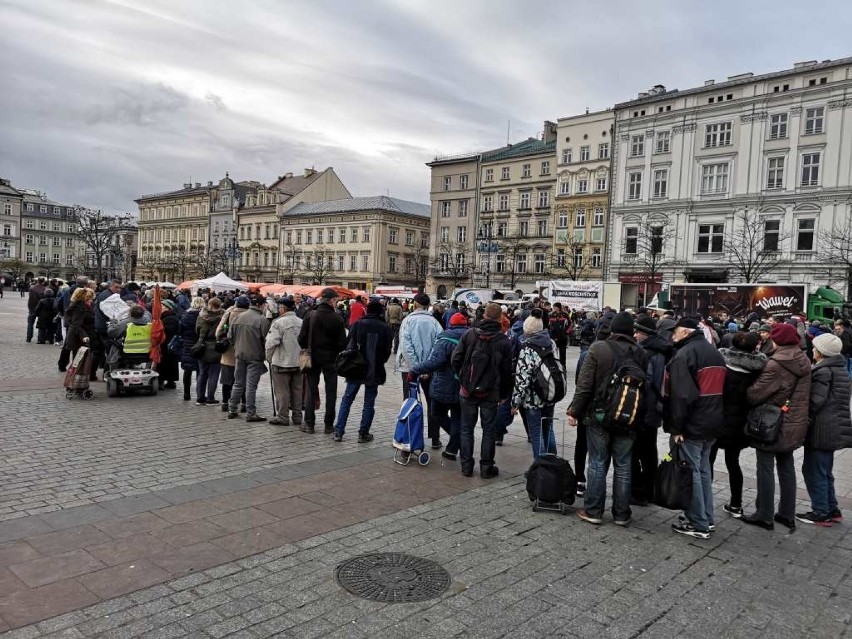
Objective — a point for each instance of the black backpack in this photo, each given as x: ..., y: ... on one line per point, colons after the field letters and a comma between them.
x: 549, y: 384
x: 557, y: 329
x: 619, y: 408
x: 587, y: 331
x: 479, y: 375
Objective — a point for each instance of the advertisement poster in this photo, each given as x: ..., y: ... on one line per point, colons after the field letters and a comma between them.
x: 586, y: 296
x: 738, y: 300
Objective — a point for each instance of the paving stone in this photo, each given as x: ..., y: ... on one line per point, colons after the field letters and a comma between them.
x: 124, y: 578
x: 39, y: 572
x: 47, y: 601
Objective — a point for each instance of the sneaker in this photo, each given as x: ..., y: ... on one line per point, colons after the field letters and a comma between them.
x: 752, y: 520
x: 307, y: 429
x: 364, y: 438
x: 232, y: 415
x: 582, y: 514
x: 734, y: 511
x: 277, y: 421
x: 186, y: 397
x: 447, y: 455
x: 338, y: 437
x: 836, y: 516
x: 790, y: 523
x: 624, y: 523
x: 201, y: 402
x: 581, y: 488
x: 255, y: 418
x: 499, y: 441
x: 436, y: 443
x: 224, y: 407
x: 813, y: 518
x: 467, y: 472
x: 490, y: 472
x: 212, y: 402
x: 683, y: 519
x: 687, y: 529
x: 329, y: 430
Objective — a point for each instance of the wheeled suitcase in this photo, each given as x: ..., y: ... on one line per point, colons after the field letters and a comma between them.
x: 551, y: 482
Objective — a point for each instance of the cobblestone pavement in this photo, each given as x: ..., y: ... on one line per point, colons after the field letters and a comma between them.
x: 149, y: 516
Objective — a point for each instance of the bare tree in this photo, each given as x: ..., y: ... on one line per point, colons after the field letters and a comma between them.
x: 290, y: 263
x: 753, y: 250
x: 211, y: 262
x: 836, y: 248
x: 420, y: 258
x: 511, y: 247
x: 574, y: 264
x: 98, y: 231
x: 319, y: 264
x: 451, y: 261
x: 648, y: 247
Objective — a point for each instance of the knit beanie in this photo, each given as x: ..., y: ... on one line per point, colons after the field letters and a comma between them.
x: 622, y: 324
x: 828, y: 344
x: 784, y: 335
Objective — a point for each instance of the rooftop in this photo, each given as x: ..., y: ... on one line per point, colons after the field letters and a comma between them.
x: 373, y: 203
x: 530, y: 146
x: 195, y: 189
x: 290, y: 184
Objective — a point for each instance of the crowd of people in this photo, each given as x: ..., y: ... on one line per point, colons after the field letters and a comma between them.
x: 701, y: 380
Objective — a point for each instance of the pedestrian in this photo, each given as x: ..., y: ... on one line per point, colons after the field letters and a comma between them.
x: 452, y: 310
x: 483, y: 363
x: 81, y: 320
x: 36, y: 292
x: 394, y: 315
x: 247, y: 333
x: 744, y: 364
x: 829, y: 429
x: 444, y: 385
x: 209, y: 363
x: 45, y: 312
x: 373, y: 338
x: 606, y: 446
x: 841, y: 330
x: 766, y: 346
x: 323, y: 333
x: 357, y: 310
x: 228, y: 362
x: 167, y: 369
x: 539, y: 413
x: 559, y: 331
x: 189, y: 336
x: 102, y: 340
x: 786, y: 383
x: 417, y: 333
x: 282, y: 353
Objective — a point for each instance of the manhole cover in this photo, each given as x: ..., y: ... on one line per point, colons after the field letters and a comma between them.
x: 392, y: 577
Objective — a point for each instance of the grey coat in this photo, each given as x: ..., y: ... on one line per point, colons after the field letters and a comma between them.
x: 830, y: 426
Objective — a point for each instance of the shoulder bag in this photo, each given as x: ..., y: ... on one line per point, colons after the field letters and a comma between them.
x: 763, y: 423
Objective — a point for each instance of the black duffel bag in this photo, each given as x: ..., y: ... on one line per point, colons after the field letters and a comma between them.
x: 351, y: 365
x: 673, y: 486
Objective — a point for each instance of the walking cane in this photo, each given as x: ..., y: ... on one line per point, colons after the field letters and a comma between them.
x: 272, y: 390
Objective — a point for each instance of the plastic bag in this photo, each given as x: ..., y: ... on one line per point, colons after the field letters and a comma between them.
x: 673, y: 486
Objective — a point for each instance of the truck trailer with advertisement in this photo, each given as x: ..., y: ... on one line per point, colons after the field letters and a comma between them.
x: 591, y: 295
x: 738, y: 300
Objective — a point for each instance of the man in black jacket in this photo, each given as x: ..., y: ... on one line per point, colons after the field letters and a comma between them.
x: 372, y: 336
x: 695, y: 417
x: 324, y: 333
x: 483, y: 363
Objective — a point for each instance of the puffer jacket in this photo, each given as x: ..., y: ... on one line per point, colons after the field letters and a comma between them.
x: 417, y: 333
x: 206, y: 324
x: 787, y: 376
x: 189, y: 336
x: 374, y: 338
x: 743, y: 369
x: 282, y: 341
x: 830, y: 425
x: 233, y: 312
x: 695, y: 382
x: 443, y: 386
x: 659, y: 352
x: 523, y: 393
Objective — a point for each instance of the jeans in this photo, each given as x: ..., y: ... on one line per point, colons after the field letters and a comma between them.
x: 329, y: 374
x: 448, y: 418
x: 287, y: 385
x: 207, y: 381
x: 433, y: 431
x: 581, y: 451
x: 700, y: 511
x: 470, y: 410
x: 766, y: 485
x: 246, y: 378
x: 817, y: 469
x: 603, y: 448
x: 57, y: 330
x: 735, y: 473
x: 645, y: 460
x: 367, y: 412
x: 31, y: 318
x: 539, y: 418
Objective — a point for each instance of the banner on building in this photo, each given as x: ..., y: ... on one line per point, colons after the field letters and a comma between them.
x: 586, y: 296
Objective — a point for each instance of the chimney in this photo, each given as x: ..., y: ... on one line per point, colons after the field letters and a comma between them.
x: 643, y: 94
x: 549, y: 134
x: 309, y: 172
x: 198, y: 185
x: 209, y: 182
x: 187, y: 185
x: 804, y: 65
x: 287, y: 176
x: 709, y: 83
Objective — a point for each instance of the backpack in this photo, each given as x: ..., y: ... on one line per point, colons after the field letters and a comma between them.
x: 587, y: 331
x: 549, y: 382
x: 557, y: 330
x: 479, y: 376
x: 551, y: 480
x: 620, y: 409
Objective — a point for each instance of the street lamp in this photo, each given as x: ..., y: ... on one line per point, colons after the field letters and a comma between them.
x: 487, y: 246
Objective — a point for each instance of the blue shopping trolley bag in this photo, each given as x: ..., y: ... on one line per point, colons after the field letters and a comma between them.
x: 408, y: 434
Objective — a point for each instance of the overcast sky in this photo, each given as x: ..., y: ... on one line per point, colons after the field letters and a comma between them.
x: 101, y: 102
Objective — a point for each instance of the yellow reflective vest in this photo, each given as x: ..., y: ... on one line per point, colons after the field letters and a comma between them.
x: 137, y: 340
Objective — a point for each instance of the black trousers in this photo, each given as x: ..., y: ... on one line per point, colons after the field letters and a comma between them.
x: 645, y: 460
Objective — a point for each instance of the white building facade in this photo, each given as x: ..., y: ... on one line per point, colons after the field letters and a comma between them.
x: 697, y: 169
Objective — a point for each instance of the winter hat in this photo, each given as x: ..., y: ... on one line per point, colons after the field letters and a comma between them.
x: 784, y: 335
x: 764, y: 328
x: 422, y: 299
x: 533, y: 325
x: 645, y: 325
x: 458, y: 319
x: 746, y: 342
x: 243, y: 302
x: 687, y: 322
x: 732, y: 327
x: 169, y: 304
x: 754, y: 327
x: 288, y: 304
x: 827, y: 344
x: 375, y: 308
x: 329, y: 294
x: 622, y: 324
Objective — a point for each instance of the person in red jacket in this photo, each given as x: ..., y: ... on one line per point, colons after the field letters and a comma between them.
x: 357, y: 310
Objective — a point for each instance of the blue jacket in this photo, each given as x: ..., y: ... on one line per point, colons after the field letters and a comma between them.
x: 444, y: 386
x: 417, y: 333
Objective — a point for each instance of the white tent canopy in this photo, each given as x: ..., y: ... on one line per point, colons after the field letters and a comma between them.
x: 218, y: 283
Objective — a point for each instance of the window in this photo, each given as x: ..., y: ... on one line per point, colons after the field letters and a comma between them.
x: 500, y: 263
x: 810, y: 169
x: 566, y: 156
x: 462, y: 183
x: 461, y: 233
x: 600, y: 184
x: 578, y: 257
x: 596, y: 257
x: 7, y: 230
x: 523, y: 228
x: 538, y: 263
x: 526, y: 170
x: 42, y: 226
x: 582, y: 186
x: 448, y: 182
x: 309, y: 237
x: 543, y: 199
x: 778, y: 126
x: 504, y: 173
x: 42, y: 240
x: 409, y: 238
x: 521, y: 263
x: 7, y: 209
x: 56, y: 241
x: 341, y: 233
x: 29, y: 239
x: 503, y: 202
x: 637, y: 145
x: 409, y: 265
x: 392, y: 236
x: 57, y: 227
x: 814, y: 120
x: 562, y: 219
x: 339, y: 262
x: 463, y: 208
x: 631, y: 240
x: 29, y: 253
x: 319, y: 236
x: 352, y: 262
x: 289, y: 236
x: 460, y: 261
x: 487, y: 203
x: 56, y: 258
x: 656, y: 238
x: 298, y: 236
x: 603, y: 150
x: 489, y: 175
x: 580, y: 218
x: 42, y: 209
x: 30, y: 224
x: 710, y: 238
x: 714, y: 178
x: 542, y: 228
x: 366, y: 234
x: 560, y: 258
x: 775, y: 173
x: 717, y: 134
x: 502, y: 229
x: 524, y: 201
x: 69, y: 260
x: 634, y: 186
x: 445, y: 209
x: 545, y: 168
x: 805, y: 235
x: 365, y: 263
x: 585, y: 153
x: 42, y: 257
x: 661, y: 183
x: 565, y: 187
x: 598, y: 218
x: 663, y: 144
x: 69, y: 242
x: 445, y: 233
x: 771, y: 234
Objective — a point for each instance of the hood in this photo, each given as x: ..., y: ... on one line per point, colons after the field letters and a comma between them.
x: 838, y: 361
x: 488, y: 329
x: 517, y: 329
x: 541, y: 338
x: 455, y: 333
x: 207, y: 314
x: 792, y: 359
x: 657, y: 344
x: 740, y: 360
